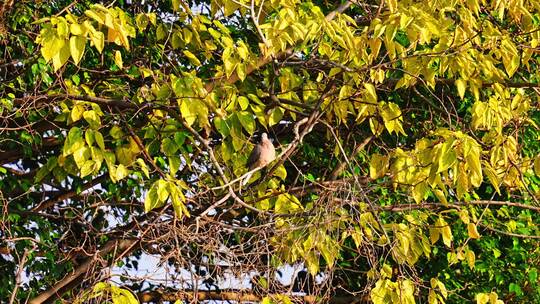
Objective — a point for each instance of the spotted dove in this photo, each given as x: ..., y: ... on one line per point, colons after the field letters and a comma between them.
x: 261, y: 155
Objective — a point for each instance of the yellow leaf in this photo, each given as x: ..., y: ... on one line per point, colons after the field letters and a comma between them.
x: 537, y: 165
x: 281, y: 172
x: 60, y: 58
x: 492, y: 176
x: 192, y: 58
x: 118, y: 59
x: 447, y: 156
x: 392, y: 5
x: 446, y: 232
x: 434, y: 235
x: 461, y: 86
x: 76, y: 112
x: 472, y: 230
x: 440, y: 195
x: 482, y: 298
x: 98, y: 39
x: 94, y: 15
x: 471, y: 258
x: 378, y: 166
x: 76, y: 29
x: 76, y: 47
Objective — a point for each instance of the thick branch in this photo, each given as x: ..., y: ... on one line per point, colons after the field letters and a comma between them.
x: 52, y: 293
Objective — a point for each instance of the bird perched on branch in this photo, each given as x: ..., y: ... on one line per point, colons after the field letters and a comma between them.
x: 261, y: 155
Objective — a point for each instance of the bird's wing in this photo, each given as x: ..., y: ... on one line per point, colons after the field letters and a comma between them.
x: 254, y: 157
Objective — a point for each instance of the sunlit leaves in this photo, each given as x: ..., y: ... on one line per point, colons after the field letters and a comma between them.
x: 65, y: 37
x: 118, y: 295
x: 161, y: 191
x: 388, y: 291
x: 488, y: 298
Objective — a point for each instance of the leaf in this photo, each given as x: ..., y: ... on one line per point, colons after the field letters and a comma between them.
x: 121, y: 172
x: 162, y: 190
x: 188, y: 112
x: 447, y: 156
x: 461, y: 86
x: 192, y: 58
x: 98, y: 39
x: 95, y: 16
x: 76, y: 29
x: 151, y: 200
x: 178, y: 200
x: 87, y: 168
x: 482, y: 298
x: 60, y: 58
x: 99, y: 139
x: 81, y: 155
x: 77, y: 112
x: 378, y: 166
x: 76, y: 47
x: 434, y: 234
x: 222, y: 125
x: 247, y: 121
x: 174, y: 164
x: 243, y: 102
x: 440, y: 195
x: 471, y: 258
x: 472, y: 231
x: 116, y: 132
x: 275, y: 116
x: 118, y: 59
x: 537, y: 165
x: 142, y: 21
x: 92, y: 118
x: 446, y: 231
x: 144, y: 167
x: 281, y: 172
x: 169, y: 147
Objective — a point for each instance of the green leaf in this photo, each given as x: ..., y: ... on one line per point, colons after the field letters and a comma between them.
x: 169, y: 147
x: 247, y: 121
x: 174, y: 164
x: 222, y: 125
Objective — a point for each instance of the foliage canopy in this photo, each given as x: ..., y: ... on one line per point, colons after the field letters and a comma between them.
x: 408, y: 159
